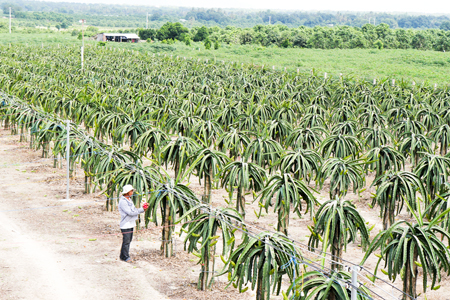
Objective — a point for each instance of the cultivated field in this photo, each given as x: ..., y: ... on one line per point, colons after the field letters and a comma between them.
x: 255, y: 164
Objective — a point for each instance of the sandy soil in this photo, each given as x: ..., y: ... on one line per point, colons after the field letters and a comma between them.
x: 51, y: 249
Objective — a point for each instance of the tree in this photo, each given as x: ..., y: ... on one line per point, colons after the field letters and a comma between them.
x: 201, y: 34
x: 286, y: 44
x: 420, y: 41
x: 337, y: 223
x: 259, y: 260
x: 207, y: 44
x: 445, y: 26
x: 425, y: 250
x: 216, y: 45
x: 146, y: 34
x: 202, y: 237
x: 246, y: 38
x: 394, y: 189
x: 282, y: 191
x: 242, y: 176
x: 174, y: 31
x: 14, y: 8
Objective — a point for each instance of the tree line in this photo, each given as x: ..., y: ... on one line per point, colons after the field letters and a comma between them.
x: 107, y: 15
x: 319, y: 37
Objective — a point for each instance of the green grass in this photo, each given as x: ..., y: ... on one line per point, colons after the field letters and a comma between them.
x: 410, y: 65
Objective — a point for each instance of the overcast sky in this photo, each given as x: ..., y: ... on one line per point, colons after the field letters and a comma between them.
x: 417, y: 6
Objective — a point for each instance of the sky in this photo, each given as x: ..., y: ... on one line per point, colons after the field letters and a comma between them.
x: 415, y: 6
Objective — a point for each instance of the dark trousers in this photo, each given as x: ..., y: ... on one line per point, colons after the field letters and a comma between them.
x: 127, y: 237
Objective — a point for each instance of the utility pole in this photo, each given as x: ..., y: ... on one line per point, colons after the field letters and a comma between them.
x: 270, y: 19
x: 82, y: 21
x: 10, y: 20
x: 147, y: 22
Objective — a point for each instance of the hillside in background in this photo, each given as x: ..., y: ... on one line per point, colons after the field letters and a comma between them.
x: 37, y: 13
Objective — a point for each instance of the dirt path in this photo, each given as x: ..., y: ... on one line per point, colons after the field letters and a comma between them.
x: 50, y: 249
x: 38, y: 259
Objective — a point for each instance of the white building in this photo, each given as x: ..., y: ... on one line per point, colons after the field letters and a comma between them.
x: 117, y: 37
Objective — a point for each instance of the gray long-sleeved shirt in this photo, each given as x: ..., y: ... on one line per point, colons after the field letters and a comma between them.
x: 128, y: 212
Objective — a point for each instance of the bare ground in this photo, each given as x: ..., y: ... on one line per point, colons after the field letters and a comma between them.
x: 51, y: 249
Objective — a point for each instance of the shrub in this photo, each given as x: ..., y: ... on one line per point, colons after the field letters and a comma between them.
x: 378, y: 44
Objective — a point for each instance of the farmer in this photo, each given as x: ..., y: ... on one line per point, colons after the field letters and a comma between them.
x: 129, y: 214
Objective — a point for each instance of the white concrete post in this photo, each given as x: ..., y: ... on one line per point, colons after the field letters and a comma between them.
x: 354, y: 282
x: 68, y: 159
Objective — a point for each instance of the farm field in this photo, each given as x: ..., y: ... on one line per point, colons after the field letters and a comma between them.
x: 403, y: 65
x: 198, y: 139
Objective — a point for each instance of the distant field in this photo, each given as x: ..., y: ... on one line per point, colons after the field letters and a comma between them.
x: 409, y: 65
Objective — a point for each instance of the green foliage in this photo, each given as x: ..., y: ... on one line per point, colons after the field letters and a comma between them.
x: 406, y: 247
x: 302, y: 163
x: 259, y: 260
x: 394, y: 189
x: 378, y: 44
x: 173, y: 31
x: 208, y: 164
x: 340, y: 146
x: 317, y: 285
x: 383, y: 159
x: 263, y: 151
x: 177, y: 152
x: 433, y: 171
x: 445, y: 26
x: 201, y: 34
x: 286, y: 43
x: 282, y: 192
x: 415, y: 146
x: 170, y: 199
x: 202, y: 237
x: 207, y: 44
x: 337, y: 223
x: 342, y: 173
x: 242, y: 176
x: 146, y: 34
